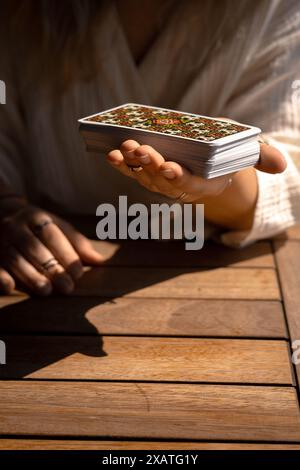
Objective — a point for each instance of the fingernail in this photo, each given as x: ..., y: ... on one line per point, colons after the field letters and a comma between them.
x: 44, y: 288
x: 169, y: 174
x: 145, y: 159
x: 130, y: 154
x: 75, y: 271
x: 65, y: 285
x: 7, y: 287
x: 98, y: 258
x: 114, y: 162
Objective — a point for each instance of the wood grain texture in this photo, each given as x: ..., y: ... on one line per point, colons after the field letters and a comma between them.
x: 74, y: 444
x: 151, y: 411
x: 174, y: 254
x: 147, y: 359
x: 127, y: 316
x: 292, y: 233
x: 288, y: 260
x: 156, y: 289
x: 189, y: 283
x: 218, y: 255
x: 171, y: 253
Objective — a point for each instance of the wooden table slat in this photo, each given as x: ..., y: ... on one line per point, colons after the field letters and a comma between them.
x: 147, y: 359
x: 288, y: 259
x: 173, y: 254
x: 127, y: 316
x: 151, y: 411
x: 293, y: 233
x: 219, y: 283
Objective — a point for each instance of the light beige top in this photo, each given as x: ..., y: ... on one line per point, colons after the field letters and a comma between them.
x: 251, y: 77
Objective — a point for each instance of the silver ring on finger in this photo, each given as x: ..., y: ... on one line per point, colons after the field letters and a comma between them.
x: 135, y: 168
x: 49, y: 264
x: 262, y: 140
x: 181, y: 197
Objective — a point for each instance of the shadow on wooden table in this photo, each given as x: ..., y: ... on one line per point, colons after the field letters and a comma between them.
x: 130, y: 267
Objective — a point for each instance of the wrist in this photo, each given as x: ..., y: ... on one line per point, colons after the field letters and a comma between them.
x: 234, y: 207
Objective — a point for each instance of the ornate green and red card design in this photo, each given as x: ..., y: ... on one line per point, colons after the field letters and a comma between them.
x: 168, y: 122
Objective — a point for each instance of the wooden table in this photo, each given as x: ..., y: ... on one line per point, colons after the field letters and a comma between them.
x: 159, y: 349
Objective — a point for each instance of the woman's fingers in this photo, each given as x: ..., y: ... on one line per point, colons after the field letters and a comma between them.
x: 42, y: 251
x: 195, y: 187
x: 168, y: 178
x: 127, y: 149
x: 58, y: 244
x: 25, y: 272
x: 81, y: 244
x: 147, y: 161
x: 271, y: 160
x: 38, y: 255
x: 7, y: 284
x: 132, y: 154
x: 125, y: 158
x: 116, y: 159
x: 144, y: 155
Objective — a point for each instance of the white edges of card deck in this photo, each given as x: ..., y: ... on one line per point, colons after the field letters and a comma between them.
x: 204, y: 158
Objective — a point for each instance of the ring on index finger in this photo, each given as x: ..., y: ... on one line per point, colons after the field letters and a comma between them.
x: 135, y: 168
x: 38, y: 228
x: 181, y: 197
x: 49, y: 264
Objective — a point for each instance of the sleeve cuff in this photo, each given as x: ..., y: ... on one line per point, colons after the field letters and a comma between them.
x: 277, y: 208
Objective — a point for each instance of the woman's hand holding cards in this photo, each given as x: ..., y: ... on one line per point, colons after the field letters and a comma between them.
x: 229, y: 200
x: 167, y: 178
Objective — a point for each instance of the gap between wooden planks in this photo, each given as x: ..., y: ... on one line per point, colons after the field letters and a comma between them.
x: 74, y: 444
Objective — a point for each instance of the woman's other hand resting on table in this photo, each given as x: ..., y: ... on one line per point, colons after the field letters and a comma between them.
x: 40, y: 250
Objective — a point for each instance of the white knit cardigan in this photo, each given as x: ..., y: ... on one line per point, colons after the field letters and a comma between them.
x: 252, y: 77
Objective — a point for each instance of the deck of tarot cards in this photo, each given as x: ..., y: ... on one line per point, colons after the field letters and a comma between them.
x: 208, y: 147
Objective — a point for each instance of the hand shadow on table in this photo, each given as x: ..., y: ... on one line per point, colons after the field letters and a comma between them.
x: 39, y: 332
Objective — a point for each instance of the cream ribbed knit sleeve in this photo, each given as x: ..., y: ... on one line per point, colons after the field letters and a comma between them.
x: 268, y: 96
